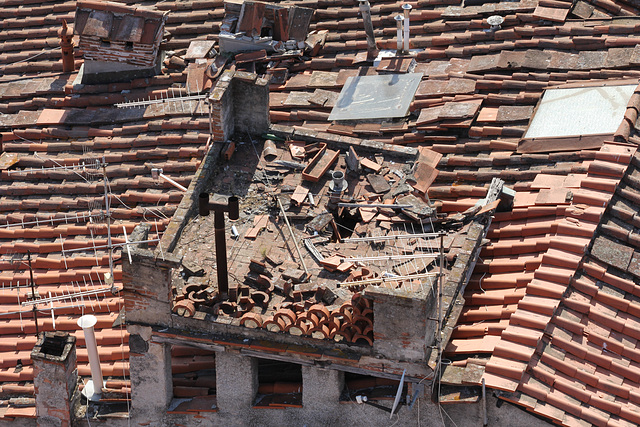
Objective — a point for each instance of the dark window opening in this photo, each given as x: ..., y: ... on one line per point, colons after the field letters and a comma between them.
x: 373, y: 388
x: 128, y: 46
x: 105, y: 43
x: 194, y: 377
x: 279, y: 384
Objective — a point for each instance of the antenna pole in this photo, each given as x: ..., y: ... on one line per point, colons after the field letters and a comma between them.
x: 440, y: 286
x: 108, y: 215
x: 33, y: 292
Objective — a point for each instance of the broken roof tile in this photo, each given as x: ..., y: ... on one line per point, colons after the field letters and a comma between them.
x: 459, y: 110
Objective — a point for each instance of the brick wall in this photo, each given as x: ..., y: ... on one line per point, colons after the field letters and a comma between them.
x: 402, y: 329
x: 55, y: 380
x: 222, y: 124
x: 143, y: 55
x: 239, y: 104
x: 147, y: 287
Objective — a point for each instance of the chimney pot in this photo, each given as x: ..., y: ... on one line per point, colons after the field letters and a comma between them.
x: 66, y: 44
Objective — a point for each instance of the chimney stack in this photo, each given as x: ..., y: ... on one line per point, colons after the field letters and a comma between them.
x: 365, y: 10
x: 66, y: 43
x: 55, y: 378
x: 93, y: 389
x: 407, y: 9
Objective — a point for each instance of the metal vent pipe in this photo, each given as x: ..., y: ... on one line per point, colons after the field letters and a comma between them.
x: 365, y: 10
x: 407, y: 9
x: 399, y: 19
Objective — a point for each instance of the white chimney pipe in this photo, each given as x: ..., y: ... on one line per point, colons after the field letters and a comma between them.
x: 398, y: 19
x: 407, y: 9
x: 87, y: 322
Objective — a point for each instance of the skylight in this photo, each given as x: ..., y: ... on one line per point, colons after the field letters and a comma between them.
x: 580, y: 111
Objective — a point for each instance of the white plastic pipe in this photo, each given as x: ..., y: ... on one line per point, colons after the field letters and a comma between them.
x: 398, y: 19
x: 407, y: 9
x: 87, y: 322
x: 172, y: 182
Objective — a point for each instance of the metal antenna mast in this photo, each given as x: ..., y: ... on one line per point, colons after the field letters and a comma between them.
x: 110, y: 281
x: 33, y: 292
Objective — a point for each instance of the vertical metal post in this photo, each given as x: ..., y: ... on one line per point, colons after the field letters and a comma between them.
x: 33, y: 292
x: 440, y: 286
x: 485, y: 421
x: 221, y: 253
x: 232, y: 207
x: 108, y: 215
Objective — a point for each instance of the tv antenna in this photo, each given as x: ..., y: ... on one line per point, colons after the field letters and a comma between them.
x: 176, y: 101
x: 396, y: 402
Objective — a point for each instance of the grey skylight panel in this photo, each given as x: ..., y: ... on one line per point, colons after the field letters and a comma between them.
x: 383, y: 96
x: 580, y: 111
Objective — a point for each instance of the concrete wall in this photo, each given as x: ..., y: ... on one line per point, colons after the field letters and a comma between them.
x: 402, y: 329
x: 236, y: 386
x: 151, y: 383
x: 236, y: 378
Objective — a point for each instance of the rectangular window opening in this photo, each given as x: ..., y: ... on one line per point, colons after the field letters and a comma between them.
x: 373, y: 388
x: 279, y: 384
x: 194, y: 379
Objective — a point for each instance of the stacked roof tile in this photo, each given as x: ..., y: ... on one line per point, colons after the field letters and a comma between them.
x: 551, y: 311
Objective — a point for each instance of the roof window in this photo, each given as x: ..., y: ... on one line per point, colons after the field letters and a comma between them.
x: 576, y: 117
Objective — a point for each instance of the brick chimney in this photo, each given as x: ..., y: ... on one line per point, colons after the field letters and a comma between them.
x: 55, y: 378
x: 66, y: 43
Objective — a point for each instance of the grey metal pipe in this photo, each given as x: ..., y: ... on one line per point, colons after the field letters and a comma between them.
x: 398, y: 19
x: 407, y: 9
x: 365, y: 10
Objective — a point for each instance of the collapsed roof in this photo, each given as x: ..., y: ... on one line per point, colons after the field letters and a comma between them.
x: 550, y: 313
